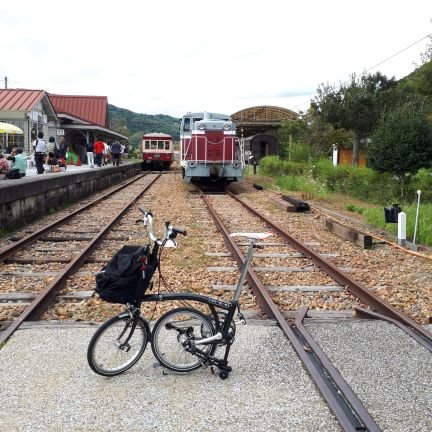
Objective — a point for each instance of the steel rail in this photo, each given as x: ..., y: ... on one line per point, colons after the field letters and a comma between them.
x: 8, y: 251
x: 347, y: 420
x: 342, y: 389
x: 44, y: 299
x: 362, y: 312
x: 424, y: 337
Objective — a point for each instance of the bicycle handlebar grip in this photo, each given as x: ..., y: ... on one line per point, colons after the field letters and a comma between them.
x: 179, y: 230
x: 143, y: 210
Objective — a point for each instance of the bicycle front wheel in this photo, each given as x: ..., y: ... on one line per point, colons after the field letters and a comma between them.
x: 174, y: 336
x: 117, y: 346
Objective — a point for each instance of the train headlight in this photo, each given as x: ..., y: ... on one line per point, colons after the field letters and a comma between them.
x: 227, y: 126
x: 201, y: 126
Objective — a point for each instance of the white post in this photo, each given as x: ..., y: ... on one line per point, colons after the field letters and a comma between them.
x: 417, y: 213
x: 402, y: 228
x: 335, y: 154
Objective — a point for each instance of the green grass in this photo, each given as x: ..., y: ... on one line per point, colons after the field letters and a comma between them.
x: 375, y: 217
x: 308, y: 187
x: 355, y: 209
x: 338, y: 185
x: 311, y: 189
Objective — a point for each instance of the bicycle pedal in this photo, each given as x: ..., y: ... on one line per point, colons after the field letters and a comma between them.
x: 241, y: 319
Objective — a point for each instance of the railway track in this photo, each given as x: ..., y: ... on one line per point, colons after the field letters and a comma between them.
x: 39, y: 252
x: 347, y: 407
x: 202, y: 265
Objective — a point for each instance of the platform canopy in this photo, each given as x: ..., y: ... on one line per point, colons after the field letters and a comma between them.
x: 259, y: 119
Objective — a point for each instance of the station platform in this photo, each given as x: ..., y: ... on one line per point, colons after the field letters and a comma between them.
x: 47, y: 385
x: 26, y: 199
x: 31, y: 171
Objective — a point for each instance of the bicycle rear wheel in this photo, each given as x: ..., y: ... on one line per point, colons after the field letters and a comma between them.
x: 116, y: 347
x: 173, y: 339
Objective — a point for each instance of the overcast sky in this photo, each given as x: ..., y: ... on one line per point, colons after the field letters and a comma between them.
x: 172, y: 56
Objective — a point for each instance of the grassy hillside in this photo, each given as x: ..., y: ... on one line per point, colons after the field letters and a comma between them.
x: 135, y: 125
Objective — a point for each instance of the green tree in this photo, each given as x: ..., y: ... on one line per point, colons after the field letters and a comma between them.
x: 355, y: 106
x: 292, y: 131
x: 401, y: 144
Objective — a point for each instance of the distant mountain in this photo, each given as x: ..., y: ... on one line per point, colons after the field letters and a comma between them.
x: 135, y: 125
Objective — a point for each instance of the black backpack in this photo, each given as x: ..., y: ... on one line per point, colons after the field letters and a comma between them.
x: 125, y: 278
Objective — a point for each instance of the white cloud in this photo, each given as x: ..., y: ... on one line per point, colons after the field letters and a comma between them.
x: 171, y: 57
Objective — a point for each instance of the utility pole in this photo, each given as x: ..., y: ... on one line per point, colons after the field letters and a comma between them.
x: 5, y: 78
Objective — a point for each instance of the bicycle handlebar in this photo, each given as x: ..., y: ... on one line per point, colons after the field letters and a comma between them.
x: 170, y: 231
x: 178, y: 230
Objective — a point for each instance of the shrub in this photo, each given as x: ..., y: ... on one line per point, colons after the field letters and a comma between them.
x: 422, y: 181
x: 274, y: 166
x: 358, y: 182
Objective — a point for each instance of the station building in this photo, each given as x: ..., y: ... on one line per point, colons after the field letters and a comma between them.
x: 255, y: 125
x: 77, y: 119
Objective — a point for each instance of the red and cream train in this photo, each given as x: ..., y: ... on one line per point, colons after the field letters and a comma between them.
x: 158, y: 151
x: 210, y: 149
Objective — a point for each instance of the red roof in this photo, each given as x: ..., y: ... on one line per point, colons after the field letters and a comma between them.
x: 19, y: 99
x: 92, y: 109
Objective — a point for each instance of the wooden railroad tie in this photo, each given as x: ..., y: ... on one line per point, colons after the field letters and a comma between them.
x: 286, y: 205
x: 357, y: 237
x: 300, y: 206
x: 292, y: 204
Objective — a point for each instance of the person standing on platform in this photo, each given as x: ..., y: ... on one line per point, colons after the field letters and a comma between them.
x: 90, y: 155
x: 126, y: 151
x: 115, y: 152
x: 99, y: 148
x: 52, y: 145
x: 62, y: 149
x: 106, y: 154
x: 40, y: 150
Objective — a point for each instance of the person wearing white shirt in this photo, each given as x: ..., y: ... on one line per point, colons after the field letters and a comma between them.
x: 40, y: 150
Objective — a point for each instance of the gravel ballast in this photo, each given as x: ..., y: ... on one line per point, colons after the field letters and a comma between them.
x: 388, y: 370
x: 47, y: 385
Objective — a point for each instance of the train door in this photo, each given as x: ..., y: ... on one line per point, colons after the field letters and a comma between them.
x: 185, y: 138
x: 263, y: 149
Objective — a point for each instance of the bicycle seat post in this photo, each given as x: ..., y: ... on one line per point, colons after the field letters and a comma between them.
x: 244, y: 270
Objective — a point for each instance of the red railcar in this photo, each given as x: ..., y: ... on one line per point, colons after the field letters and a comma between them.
x: 209, y: 148
x: 158, y: 151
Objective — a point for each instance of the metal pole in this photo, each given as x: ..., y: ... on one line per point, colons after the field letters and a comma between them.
x: 417, y: 212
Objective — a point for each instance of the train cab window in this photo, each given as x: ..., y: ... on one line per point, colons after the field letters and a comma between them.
x: 166, y: 145
x: 160, y: 145
x: 186, y: 124
x: 154, y: 145
x: 147, y: 145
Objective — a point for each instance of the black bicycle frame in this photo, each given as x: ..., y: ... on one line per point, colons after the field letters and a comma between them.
x: 213, y: 303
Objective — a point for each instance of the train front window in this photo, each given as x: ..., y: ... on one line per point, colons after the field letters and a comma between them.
x: 147, y: 145
x: 166, y: 145
x: 154, y: 145
x: 160, y: 145
x: 186, y: 124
